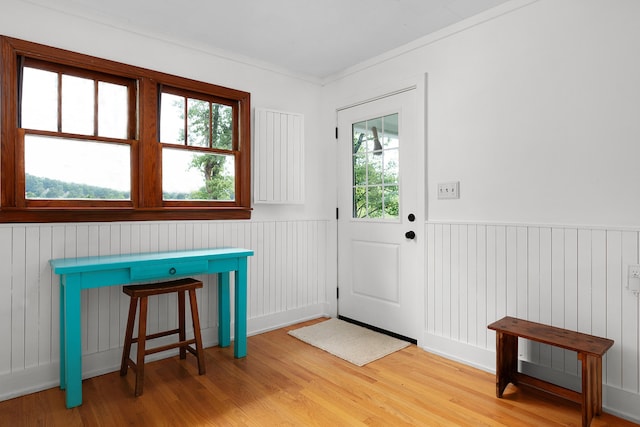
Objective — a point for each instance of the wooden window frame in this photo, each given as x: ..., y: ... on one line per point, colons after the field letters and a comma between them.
x: 195, y: 148
x: 146, y: 151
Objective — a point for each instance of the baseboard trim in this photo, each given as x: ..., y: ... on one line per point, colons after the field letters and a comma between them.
x: 259, y: 325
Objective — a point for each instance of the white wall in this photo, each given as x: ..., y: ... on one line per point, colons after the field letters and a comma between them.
x: 269, y: 87
x: 294, y: 262
x: 534, y: 111
x: 534, y: 108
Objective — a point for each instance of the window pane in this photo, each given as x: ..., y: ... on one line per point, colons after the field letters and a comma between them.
x: 376, y: 170
x: 360, y: 202
x: 391, y: 166
x: 360, y: 169
x: 198, y: 131
x: 390, y: 131
x: 374, y: 202
x: 112, y: 110
x: 77, y: 105
x: 39, y: 99
x: 81, y: 169
x: 222, y: 123
x: 359, y: 143
x: 391, y: 202
x: 172, y: 119
x: 374, y: 134
x: 193, y: 175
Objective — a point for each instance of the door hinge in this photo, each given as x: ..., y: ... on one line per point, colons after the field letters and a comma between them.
x: 337, y: 293
x: 336, y: 132
x: 337, y: 213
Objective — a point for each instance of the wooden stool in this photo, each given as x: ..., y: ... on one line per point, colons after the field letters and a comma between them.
x: 141, y: 292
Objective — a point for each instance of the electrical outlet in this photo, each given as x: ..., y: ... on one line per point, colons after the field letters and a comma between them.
x: 634, y: 272
x: 449, y: 190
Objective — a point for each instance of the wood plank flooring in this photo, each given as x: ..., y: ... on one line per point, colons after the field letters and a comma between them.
x: 285, y: 382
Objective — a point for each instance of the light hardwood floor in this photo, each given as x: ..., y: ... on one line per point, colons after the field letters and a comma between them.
x: 284, y: 382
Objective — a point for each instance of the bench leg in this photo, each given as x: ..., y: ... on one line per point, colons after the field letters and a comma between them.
x: 598, y: 382
x: 591, y: 387
x: 506, y: 361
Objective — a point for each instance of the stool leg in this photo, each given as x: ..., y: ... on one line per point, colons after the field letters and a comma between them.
x: 128, y: 336
x: 196, y: 331
x: 182, y: 336
x: 142, y: 338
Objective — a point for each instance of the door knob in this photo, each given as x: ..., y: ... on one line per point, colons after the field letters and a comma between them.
x: 410, y: 235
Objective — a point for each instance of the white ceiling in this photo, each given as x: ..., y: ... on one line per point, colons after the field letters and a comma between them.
x: 315, y: 38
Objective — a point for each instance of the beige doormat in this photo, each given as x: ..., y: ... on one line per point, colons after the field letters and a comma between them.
x: 350, y: 342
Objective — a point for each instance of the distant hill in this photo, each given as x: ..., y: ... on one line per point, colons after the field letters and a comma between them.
x: 45, y: 188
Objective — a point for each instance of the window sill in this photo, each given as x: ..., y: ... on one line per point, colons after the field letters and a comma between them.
x: 44, y: 215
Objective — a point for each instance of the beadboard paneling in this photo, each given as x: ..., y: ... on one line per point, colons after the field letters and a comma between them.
x: 279, y: 157
x: 569, y: 277
x: 288, y: 273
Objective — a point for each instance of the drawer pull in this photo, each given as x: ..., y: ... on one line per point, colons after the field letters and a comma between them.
x: 175, y: 268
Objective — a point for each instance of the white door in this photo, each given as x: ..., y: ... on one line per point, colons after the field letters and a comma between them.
x: 381, y: 219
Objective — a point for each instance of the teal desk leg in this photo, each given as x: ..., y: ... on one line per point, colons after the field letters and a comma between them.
x: 63, y: 355
x: 72, y: 337
x: 240, y: 331
x: 224, y: 310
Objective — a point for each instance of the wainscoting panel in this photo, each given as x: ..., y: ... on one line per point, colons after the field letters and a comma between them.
x: 569, y: 277
x: 288, y: 274
x: 278, y: 157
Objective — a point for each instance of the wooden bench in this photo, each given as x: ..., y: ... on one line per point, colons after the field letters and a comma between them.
x: 590, y: 350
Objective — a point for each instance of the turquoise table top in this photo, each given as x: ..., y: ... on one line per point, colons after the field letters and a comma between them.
x: 94, y: 263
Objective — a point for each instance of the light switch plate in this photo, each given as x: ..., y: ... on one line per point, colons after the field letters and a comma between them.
x: 449, y: 190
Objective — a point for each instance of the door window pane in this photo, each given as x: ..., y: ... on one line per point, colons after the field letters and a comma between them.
x: 376, y: 168
x: 359, y: 169
x: 59, y: 168
x: 391, y: 202
x: 391, y: 166
x: 360, y: 202
x: 374, y: 202
x: 390, y: 135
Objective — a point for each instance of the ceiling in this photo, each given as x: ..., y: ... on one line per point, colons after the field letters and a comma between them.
x: 315, y: 38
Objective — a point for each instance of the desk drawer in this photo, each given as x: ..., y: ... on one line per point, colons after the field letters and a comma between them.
x: 167, y: 270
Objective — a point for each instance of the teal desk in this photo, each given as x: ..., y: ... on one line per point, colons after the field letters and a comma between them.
x: 94, y: 272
